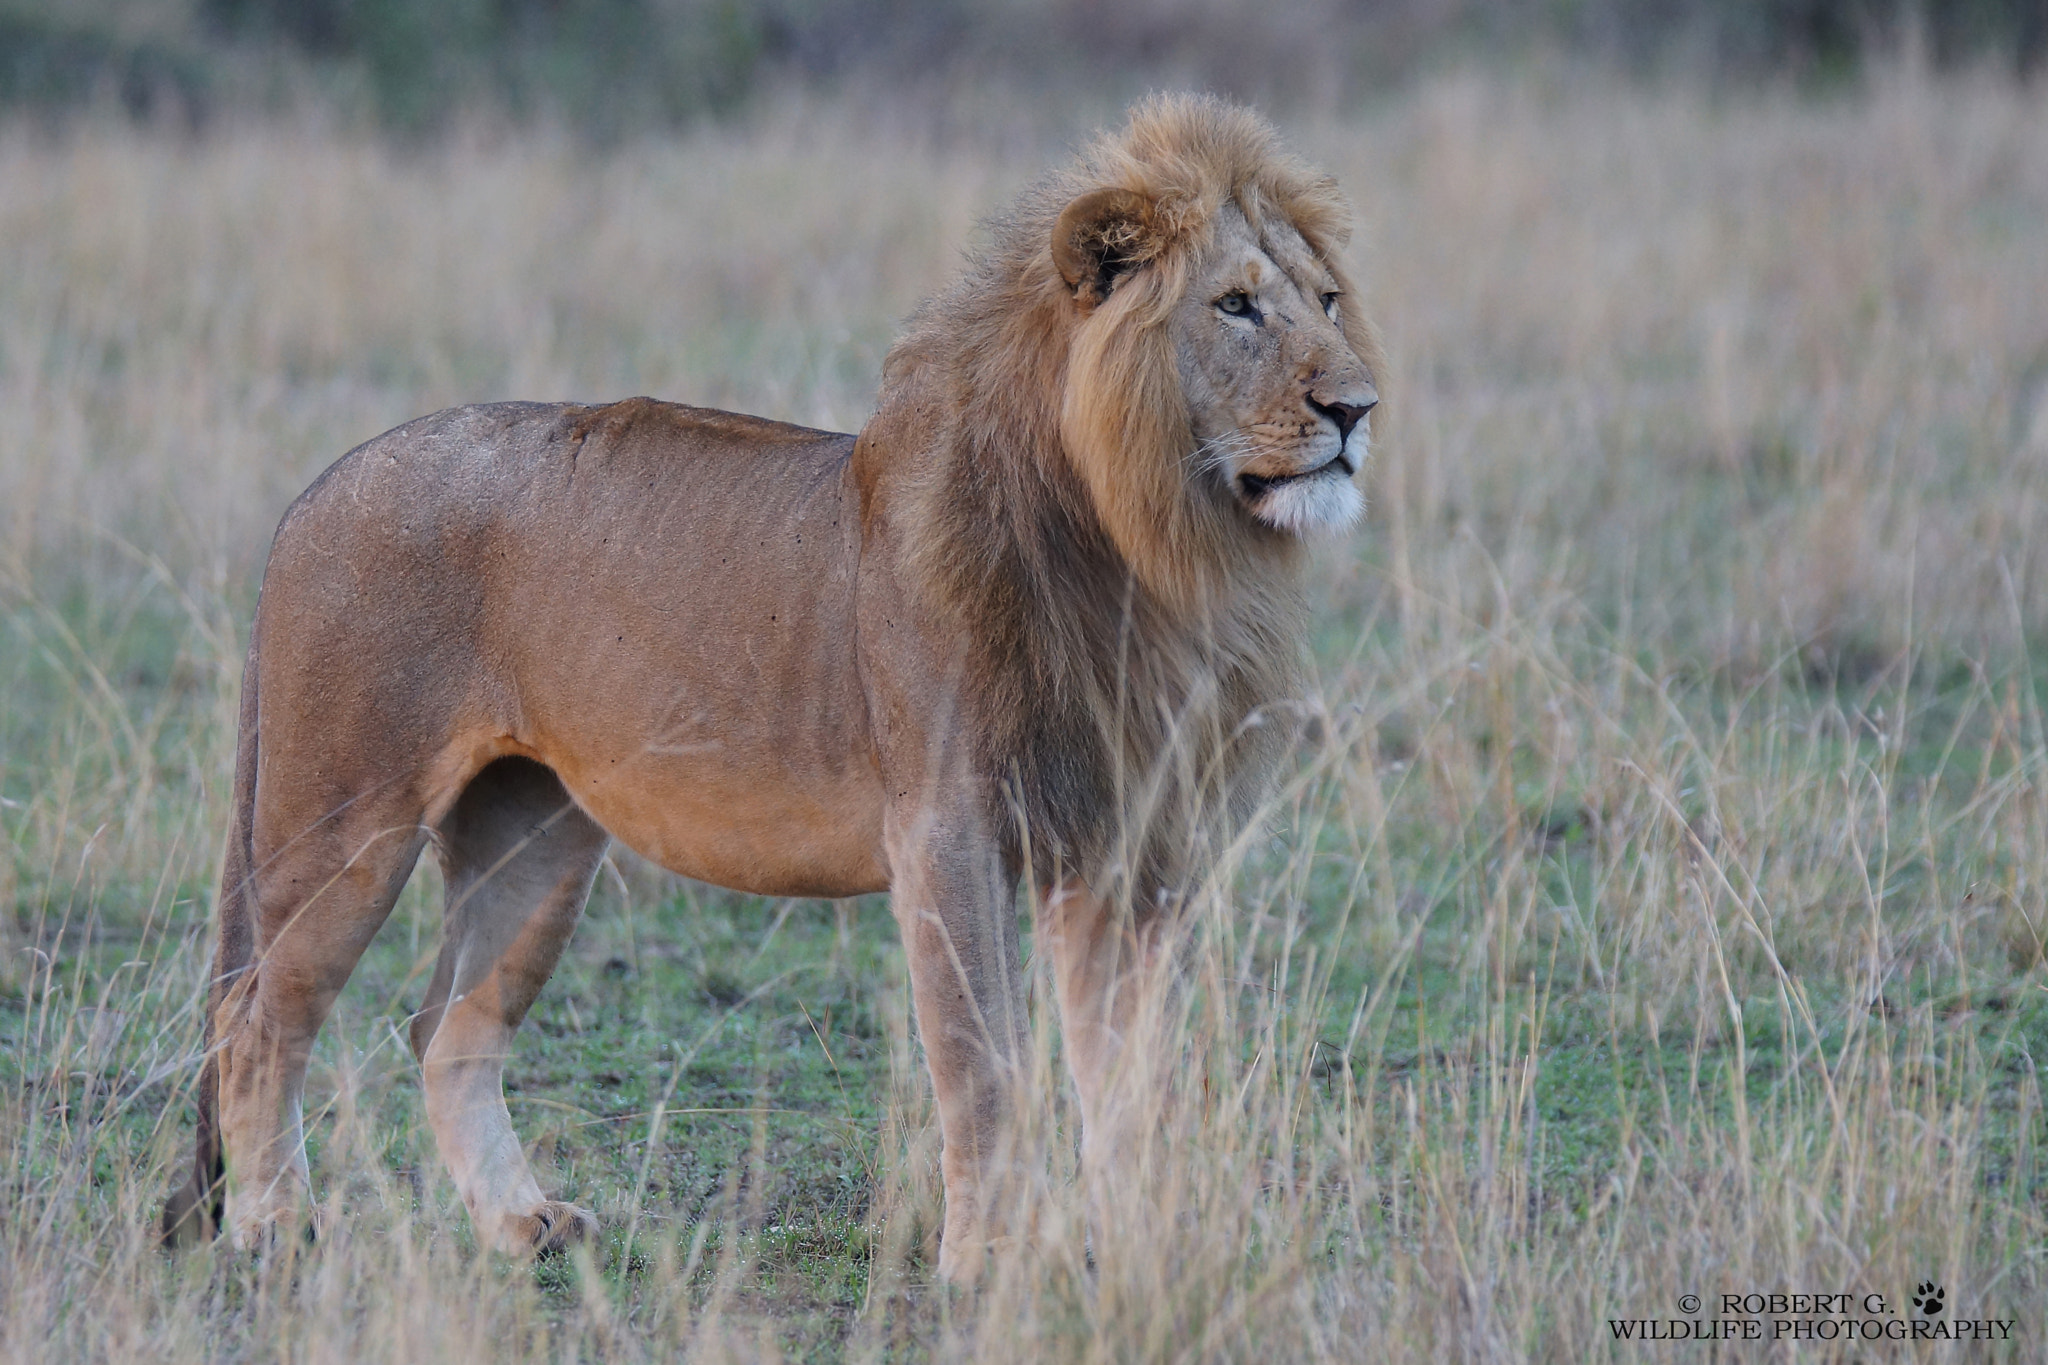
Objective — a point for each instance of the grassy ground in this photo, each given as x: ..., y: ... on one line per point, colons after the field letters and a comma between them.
x: 1660, y: 913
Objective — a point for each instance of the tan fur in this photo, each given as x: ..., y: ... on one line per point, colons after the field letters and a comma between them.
x: 1044, y: 614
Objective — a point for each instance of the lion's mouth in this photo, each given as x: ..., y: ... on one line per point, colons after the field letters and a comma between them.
x: 1256, y: 486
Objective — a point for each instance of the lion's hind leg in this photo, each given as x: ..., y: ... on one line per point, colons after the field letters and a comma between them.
x: 319, y: 889
x: 519, y: 857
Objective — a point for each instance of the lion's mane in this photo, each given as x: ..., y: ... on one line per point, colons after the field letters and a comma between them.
x: 1131, y: 646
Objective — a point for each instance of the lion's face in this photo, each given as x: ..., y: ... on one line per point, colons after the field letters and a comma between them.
x: 1276, y: 396
x: 1217, y: 379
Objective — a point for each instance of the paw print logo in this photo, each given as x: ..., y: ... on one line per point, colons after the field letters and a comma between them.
x: 1929, y: 1299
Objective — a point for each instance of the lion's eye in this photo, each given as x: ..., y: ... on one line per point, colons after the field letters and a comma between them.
x: 1236, y: 304
x: 1330, y: 304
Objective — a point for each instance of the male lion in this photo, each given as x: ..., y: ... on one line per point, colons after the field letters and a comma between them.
x: 1026, y: 620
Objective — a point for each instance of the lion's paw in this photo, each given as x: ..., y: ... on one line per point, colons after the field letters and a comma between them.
x: 549, y: 1227
x: 266, y: 1235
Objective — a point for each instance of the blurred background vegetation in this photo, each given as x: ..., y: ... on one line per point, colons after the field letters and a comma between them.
x: 609, y: 68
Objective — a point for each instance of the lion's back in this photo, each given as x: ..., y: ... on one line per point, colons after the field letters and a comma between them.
x: 462, y: 530
x: 471, y: 459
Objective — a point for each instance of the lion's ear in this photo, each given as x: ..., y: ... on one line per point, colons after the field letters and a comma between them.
x: 1100, y: 237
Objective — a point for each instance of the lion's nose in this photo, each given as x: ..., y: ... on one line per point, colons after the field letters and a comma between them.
x: 1345, y: 414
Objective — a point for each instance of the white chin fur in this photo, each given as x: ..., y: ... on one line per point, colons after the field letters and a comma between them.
x: 1327, y: 504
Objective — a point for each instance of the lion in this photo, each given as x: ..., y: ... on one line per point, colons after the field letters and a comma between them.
x: 1030, y: 621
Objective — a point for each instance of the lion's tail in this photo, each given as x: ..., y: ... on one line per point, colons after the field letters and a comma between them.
x: 194, y: 1210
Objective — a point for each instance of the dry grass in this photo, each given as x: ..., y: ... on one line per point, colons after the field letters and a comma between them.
x: 1661, y: 913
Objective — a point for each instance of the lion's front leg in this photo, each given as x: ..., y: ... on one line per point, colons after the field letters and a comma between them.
x: 1113, y: 976
x: 955, y: 906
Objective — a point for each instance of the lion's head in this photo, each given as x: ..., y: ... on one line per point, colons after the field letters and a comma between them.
x: 1171, y: 325
x: 1220, y: 371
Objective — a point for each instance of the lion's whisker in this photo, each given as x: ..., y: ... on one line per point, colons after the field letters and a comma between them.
x: 1214, y: 456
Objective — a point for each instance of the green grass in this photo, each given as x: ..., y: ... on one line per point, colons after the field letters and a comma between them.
x: 762, y: 1047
